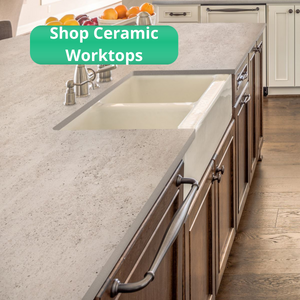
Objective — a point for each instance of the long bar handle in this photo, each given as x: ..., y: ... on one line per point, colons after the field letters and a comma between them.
x: 170, y: 236
x: 232, y: 9
x: 177, y: 14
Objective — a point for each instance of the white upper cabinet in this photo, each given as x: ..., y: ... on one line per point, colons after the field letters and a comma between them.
x: 281, y: 46
x: 297, y: 46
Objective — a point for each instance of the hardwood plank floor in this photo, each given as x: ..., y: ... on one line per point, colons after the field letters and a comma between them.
x: 264, y: 262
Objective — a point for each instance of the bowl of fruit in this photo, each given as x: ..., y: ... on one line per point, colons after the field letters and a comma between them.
x: 111, y: 16
x: 122, y: 15
x: 71, y: 20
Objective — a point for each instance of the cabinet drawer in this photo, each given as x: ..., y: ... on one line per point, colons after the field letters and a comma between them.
x: 178, y: 13
x: 233, y: 14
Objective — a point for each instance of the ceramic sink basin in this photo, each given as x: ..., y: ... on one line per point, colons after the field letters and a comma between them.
x: 150, y: 102
x: 160, y: 89
x: 199, y: 102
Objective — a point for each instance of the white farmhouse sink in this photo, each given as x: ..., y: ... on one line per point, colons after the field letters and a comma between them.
x: 131, y: 116
x: 199, y: 102
x: 160, y: 89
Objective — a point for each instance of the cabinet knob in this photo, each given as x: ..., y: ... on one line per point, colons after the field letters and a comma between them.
x: 291, y: 11
x: 298, y: 11
x: 217, y: 177
x: 220, y: 169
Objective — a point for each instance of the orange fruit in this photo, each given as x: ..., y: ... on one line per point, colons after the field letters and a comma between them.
x: 51, y: 19
x: 55, y: 23
x: 148, y: 7
x: 110, y: 14
x: 131, y: 16
x: 66, y: 18
x: 134, y: 10
x: 121, y: 10
x: 72, y: 23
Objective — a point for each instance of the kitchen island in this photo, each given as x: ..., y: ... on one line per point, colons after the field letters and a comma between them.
x: 72, y: 201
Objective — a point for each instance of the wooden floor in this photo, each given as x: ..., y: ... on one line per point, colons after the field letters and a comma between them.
x: 265, y: 258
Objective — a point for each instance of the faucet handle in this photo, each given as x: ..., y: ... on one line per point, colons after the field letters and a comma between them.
x: 84, y: 82
x: 92, y: 76
x: 104, y: 73
x: 70, y: 94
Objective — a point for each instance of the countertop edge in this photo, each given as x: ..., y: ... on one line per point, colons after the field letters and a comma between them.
x: 252, y: 45
x: 108, y: 267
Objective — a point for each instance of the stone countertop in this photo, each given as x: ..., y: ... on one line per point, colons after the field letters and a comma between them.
x: 71, y: 201
x: 225, y: 2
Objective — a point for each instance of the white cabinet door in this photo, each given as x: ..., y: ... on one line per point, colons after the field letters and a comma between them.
x: 297, y: 46
x: 281, y: 46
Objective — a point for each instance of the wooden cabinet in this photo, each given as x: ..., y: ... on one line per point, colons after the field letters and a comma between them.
x: 281, y: 46
x: 242, y: 108
x: 224, y: 177
x: 210, y: 226
x: 193, y: 267
x: 140, y: 253
x: 255, y: 106
x: 252, y: 119
x: 258, y: 88
x: 199, y: 241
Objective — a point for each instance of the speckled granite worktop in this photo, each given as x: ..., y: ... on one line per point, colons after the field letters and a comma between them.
x: 71, y: 201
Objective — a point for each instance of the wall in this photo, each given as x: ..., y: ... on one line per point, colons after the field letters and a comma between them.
x: 34, y: 14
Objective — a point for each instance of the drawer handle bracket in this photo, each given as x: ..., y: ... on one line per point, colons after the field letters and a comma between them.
x: 170, y: 236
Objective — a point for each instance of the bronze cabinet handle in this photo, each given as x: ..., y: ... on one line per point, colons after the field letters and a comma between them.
x: 291, y: 11
x: 232, y: 9
x: 217, y: 177
x: 168, y: 239
x: 298, y: 11
x: 220, y: 169
x: 177, y: 14
x: 247, y: 98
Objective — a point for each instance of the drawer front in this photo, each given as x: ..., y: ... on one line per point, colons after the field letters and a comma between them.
x: 178, y: 13
x: 241, y: 79
x: 233, y: 14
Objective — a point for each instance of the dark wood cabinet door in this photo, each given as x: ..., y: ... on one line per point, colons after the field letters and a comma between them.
x: 225, y: 200
x: 242, y: 146
x: 138, y: 257
x: 253, y: 145
x: 259, y: 97
x: 199, y: 233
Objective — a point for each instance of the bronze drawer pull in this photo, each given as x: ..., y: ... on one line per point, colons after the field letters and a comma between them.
x: 217, y: 177
x: 247, y: 98
x: 220, y: 169
x: 177, y: 14
x: 168, y: 239
x: 232, y: 9
x: 259, y: 47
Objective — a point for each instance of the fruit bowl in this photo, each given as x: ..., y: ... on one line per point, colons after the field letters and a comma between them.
x: 124, y: 21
